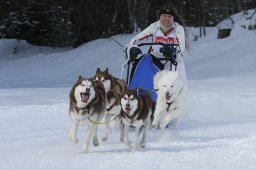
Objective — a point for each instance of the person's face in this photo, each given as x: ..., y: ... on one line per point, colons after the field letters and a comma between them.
x: 166, y: 20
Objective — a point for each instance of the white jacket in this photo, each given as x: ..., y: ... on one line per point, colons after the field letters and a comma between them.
x: 153, y: 33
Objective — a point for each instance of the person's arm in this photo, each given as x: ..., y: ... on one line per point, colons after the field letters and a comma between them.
x: 142, y: 36
x: 180, y: 35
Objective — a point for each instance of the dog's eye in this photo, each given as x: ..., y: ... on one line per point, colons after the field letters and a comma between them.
x: 132, y: 99
x: 164, y: 85
x: 103, y: 80
x: 82, y: 85
x: 90, y: 86
x: 171, y: 86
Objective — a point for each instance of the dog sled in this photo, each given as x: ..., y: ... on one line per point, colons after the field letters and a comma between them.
x: 142, y: 68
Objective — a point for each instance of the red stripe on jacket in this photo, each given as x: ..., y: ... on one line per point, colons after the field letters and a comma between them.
x: 150, y: 35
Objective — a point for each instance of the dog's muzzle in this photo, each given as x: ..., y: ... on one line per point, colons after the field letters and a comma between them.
x: 168, y: 96
x: 85, y: 96
x: 128, y: 108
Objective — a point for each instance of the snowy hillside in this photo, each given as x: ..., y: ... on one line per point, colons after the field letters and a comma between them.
x: 224, y: 58
x: 218, y: 131
x: 46, y: 67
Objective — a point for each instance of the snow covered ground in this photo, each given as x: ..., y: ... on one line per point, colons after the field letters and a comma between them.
x: 218, y: 132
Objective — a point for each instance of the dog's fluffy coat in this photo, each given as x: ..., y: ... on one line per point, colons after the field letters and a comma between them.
x: 87, y: 104
x: 113, y: 87
x: 137, y: 111
x: 171, y: 100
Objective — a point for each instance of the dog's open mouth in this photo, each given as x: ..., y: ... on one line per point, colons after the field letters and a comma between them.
x: 168, y: 96
x: 128, y: 110
x: 84, y: 97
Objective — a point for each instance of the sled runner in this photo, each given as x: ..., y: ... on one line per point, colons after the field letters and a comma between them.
x: 144, y: 67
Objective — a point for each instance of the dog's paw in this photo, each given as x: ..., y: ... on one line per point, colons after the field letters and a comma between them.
x: 105, y: 139
x: 133, y: 150
x: 95, y: 141
x: 85, y: 148
x: 84, y: 151
x: 122, y: 139
x: 143, y: 145
x: 163, y: 124
x: 74, y: 140
x: 72, y: 137
x: 153, y: 126
x: 127, y: 142
x: 134, y: 147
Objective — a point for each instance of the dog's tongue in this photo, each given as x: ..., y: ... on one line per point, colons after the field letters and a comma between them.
x: 127, y: 110
x: 167, y: 97
x: 84, y: 97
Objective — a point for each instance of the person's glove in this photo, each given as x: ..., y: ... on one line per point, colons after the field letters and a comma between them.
x: 134, y: 52
x: 169, y: 53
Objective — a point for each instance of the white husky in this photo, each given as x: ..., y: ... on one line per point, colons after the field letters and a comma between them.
x: 171, y: 100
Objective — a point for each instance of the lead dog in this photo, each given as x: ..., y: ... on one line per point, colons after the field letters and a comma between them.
x: 136, y: 111
x: 171, y: 100
x: 87, y: 105
x: 113, y: 87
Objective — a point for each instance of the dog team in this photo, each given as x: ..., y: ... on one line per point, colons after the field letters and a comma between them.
x: 105, y: 98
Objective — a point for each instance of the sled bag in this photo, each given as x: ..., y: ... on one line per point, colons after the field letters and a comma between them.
x: 143, y: 75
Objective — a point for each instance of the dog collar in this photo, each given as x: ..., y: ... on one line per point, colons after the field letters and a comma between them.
x: 131, y: 118
x: 87, y: 107
x: 169, y: 104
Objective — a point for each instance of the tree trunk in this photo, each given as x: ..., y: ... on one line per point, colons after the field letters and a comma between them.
x: 132, y: 15
x: 142, y: 14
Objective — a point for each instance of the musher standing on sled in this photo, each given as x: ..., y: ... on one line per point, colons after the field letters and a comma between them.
x: 168, y: 30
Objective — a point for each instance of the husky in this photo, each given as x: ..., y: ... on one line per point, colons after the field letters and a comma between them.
x: 87, y: 106
x: 171, y: 99
x: 113, y: 87
x: 137, y: 110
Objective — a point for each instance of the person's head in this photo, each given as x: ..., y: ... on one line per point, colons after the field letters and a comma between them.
x: 167, y: 14
x: 166, y: 20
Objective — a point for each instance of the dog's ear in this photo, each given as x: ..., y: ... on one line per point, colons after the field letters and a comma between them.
x: 137, y: 91
x: 124, y: 89
x: 91, y: 79
x: 98, y: 70
x: 106, y: 70
x: 94, y: 82
x: 79, y: 77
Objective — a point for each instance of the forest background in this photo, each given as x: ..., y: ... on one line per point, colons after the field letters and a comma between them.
x: 60, y: 23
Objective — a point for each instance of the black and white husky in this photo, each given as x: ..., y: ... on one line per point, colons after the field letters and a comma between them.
x: 87, y: 105
x: 136, y: 111
x: 171, y: 99
x: 113, y: 87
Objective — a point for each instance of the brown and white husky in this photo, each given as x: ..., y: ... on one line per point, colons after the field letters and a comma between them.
x: 137, y: 110
x: 87, y: 105
x: 113, y: 87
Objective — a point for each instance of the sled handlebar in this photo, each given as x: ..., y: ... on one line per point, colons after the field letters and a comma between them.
x: 144, y: 44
